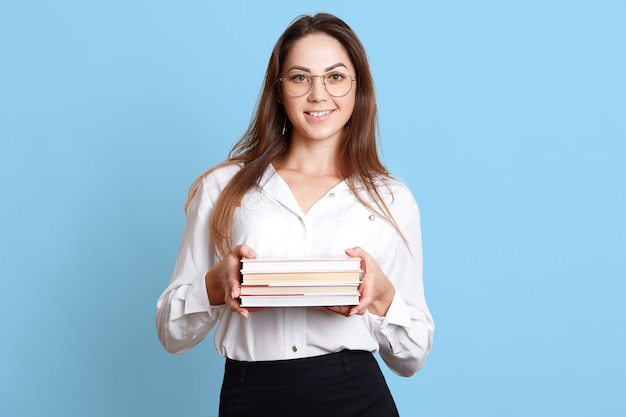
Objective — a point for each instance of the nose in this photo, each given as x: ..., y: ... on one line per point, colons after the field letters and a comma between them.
x: 318, y: 90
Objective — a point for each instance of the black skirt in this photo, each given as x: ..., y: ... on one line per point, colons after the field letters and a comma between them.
x: 344, y: 384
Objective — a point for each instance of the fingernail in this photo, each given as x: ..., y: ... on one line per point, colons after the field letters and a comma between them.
x: 244, y: 314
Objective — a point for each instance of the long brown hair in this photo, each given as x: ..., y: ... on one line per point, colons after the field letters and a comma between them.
x: 264, y: 142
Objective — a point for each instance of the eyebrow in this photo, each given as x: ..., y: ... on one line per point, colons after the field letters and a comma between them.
x: 332, y: 67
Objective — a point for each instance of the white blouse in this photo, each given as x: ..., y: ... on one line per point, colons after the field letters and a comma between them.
x: 271, y: 222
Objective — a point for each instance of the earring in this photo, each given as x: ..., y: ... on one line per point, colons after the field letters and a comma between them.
x: 284, y: 126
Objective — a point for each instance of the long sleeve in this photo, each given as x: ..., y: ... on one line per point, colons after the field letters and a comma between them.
x: 270, y: 221
x: 184, y: 315
x: 405, y: 334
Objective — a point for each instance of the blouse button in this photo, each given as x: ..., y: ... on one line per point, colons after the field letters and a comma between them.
x: 372, y: 217
x: 294, y: 348
x: 331, y: 195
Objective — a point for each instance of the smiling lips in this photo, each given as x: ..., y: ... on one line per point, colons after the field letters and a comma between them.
x: 320, y: 113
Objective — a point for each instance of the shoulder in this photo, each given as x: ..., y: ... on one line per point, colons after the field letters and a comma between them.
x: 206, y: 189
x: 216, y: 178
x: 399, y: 200
x: 395, y: 192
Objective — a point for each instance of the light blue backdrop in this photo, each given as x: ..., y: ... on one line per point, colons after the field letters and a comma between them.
x: 506, y: 119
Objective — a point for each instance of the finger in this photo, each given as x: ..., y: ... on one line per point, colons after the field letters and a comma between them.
x: 233, y: 277
x: 365, y: 298
x: 244, y: 312
x: 357, y: 310
x: 233, y: 282
x: 244, y: 251
x: 235, y: 306
x: 249, y: 252
x: 358, y: 252
x: 364, y: 301
x: 367, y: 262
x: 341, y: 310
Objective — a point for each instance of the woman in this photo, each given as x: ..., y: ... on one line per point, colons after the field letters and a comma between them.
x: 305, y: 180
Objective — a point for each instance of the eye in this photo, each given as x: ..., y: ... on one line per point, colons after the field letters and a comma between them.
x: 335, y: 77
x: 299, y: 78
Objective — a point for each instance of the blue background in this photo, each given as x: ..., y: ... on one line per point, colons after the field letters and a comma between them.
x: 506, y: 119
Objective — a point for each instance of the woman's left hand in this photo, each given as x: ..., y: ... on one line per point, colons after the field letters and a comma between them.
x: 376, y: 290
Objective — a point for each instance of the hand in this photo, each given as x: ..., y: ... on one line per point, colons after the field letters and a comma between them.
x: 376, y: 290
x: 223, y: 280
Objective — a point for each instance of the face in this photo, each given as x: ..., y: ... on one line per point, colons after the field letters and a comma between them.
x: 317, y: 115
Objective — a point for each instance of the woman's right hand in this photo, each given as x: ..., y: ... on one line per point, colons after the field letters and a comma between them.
x: 223, y: 280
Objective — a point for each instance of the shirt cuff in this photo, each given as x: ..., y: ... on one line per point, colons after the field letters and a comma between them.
x: 398, y: 313
x: 197, y: 299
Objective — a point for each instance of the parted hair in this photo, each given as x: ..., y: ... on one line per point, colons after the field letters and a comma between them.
x: 264, y: 142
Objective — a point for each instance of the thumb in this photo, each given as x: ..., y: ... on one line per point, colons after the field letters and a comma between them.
x: 247, y: 252
x: 355, y: 251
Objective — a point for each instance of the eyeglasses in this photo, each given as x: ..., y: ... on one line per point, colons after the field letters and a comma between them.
x: 336, y: 83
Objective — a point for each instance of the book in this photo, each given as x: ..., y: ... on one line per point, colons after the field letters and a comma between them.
x: 300, y: 289
x: 302, y: 264
x: 302, y: 300
x: 301, y: 277
x: 290, y: 282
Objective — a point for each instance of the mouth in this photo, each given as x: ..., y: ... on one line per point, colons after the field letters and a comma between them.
x: 319, y: 113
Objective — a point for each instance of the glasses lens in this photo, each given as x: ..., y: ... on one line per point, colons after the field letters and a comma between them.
x: 297, y: 84
x: 337, y: 83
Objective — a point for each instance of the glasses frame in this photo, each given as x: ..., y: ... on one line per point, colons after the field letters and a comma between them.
x: 323, y: 77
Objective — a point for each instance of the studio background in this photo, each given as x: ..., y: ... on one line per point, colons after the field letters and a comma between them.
x: 505, y: 118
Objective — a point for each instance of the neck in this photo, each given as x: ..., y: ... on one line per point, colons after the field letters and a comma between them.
x: 315, y: 159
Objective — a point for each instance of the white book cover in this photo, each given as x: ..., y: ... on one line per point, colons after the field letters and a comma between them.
x: 307, y: 264
x: 303, y: 300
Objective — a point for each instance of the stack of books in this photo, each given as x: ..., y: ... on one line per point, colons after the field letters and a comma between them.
x: 271, y: 282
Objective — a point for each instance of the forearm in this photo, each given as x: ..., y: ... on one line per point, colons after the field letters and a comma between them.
x: 214, y: 288
x: 380, y: 305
